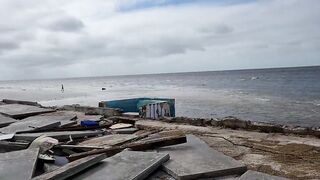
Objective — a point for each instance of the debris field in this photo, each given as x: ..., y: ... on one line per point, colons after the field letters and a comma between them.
x: 75, y: 142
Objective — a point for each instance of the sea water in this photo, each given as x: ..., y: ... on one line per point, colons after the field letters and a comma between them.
x: 283, y: 95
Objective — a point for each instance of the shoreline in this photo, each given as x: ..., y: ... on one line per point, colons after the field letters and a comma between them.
x: 230, y: 122
x: 226, y: 122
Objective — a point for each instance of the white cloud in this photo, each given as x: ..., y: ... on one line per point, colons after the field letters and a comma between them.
x: 45, y: 39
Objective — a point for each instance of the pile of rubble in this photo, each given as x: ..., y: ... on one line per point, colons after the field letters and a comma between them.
x: 45, y: 143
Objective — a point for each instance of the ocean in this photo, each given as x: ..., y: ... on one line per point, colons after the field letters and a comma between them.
x: 288, y: 96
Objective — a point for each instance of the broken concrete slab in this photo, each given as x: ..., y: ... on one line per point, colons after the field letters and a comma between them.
x: 162, y: 134
x: 254, y: 175
x: 19, y: 111
x: 129, y: 165
x: 65, y: 120
x: 5, y: 121
x: 92, y: 110
x: 60, y: 135
x: 109, y: 140
x: 72, y: 168
x: 18, y: 165
x: 135, y: 146
x: 195, y: 160
x: 121, y: 126
x: 29, y: 125
x: 6, y: 136
x: 11, y: 101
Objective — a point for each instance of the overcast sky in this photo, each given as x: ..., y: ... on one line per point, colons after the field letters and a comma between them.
x: 70, y: 38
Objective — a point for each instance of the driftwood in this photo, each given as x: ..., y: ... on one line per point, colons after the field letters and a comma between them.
x: 121, y: 119
x: 135, y: 146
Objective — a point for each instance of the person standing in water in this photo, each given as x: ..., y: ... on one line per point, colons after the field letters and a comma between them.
x: 62, y: 88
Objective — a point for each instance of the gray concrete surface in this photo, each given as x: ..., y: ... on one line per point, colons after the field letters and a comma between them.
x: 19, y: 111
x: 18, y: 165
x: 65, y: 120
x: 5, y: 121
x: 27, y: 125
x: 195, y: 160
x: 71, y: 168
x: 127, y: 165
x: 254, y: 175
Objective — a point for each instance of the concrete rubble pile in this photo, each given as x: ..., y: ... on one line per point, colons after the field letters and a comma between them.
x: 76, y: 142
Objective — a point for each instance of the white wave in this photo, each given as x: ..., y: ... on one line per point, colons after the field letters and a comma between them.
x: 263, y: 99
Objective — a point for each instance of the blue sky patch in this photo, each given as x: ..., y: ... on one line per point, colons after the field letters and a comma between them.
x: 145, y: 4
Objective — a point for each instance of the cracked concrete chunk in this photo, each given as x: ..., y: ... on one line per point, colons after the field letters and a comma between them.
x: 18, y: 165
x: 28, y: 125
x: 19, y: 111
x: 5, y: 121
x: 65, y: 120
x: 129, y: 165
x: 195, y: 159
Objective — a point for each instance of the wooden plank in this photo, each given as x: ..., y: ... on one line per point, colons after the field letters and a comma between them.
x: 136, y: 146
x: 125, y: 131
x: 60, y: 135
x: 71, y: 168
x: 109, y: 140
x: 81, y: 147
x: 121, y: 126
x: 121, y: 119
x: 80, y: 128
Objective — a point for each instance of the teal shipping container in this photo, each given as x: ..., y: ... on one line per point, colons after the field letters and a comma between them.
x: 135, y: 104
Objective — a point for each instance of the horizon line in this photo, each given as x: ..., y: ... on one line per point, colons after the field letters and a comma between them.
x: 162, y: 73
